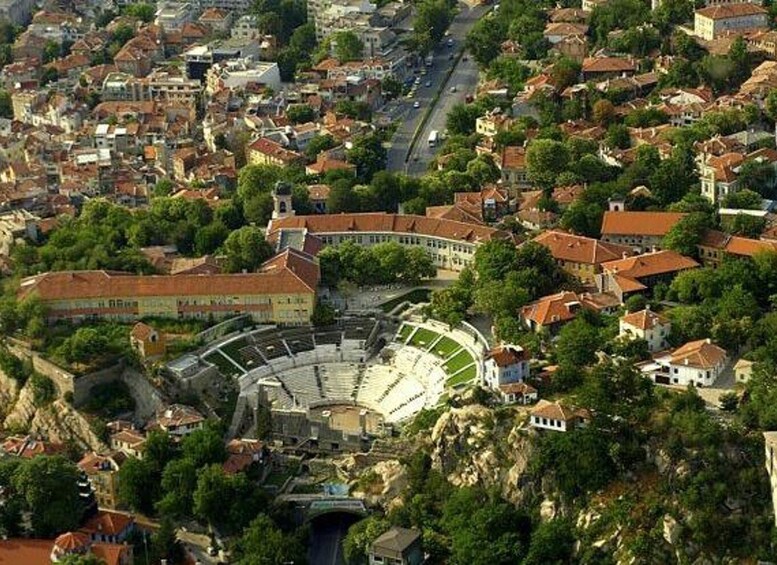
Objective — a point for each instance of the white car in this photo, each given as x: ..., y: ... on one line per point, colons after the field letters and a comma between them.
x: 416, y: 104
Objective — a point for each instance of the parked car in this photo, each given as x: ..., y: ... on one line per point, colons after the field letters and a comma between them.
x: 416, y: 104
x: 428, y: 83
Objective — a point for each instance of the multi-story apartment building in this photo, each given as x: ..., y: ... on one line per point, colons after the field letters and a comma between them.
x: 239, y: 73
x: 283, y: 291
x: 102, y: 471
x: 715, y: 21
x: 450, y: 244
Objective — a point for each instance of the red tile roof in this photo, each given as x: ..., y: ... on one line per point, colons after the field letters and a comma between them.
x: 579, y: 249
x: 725, y: 11
x: 650, y: 264
x: 108, y: 523
x: 380, y: 222
x: 506, y: 355
x: 644, y: 319
x: 559, y: 411
x: 639, y: 223
x: 701, y: 353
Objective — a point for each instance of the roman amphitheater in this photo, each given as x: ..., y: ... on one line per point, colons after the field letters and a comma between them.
x: 337, y: 388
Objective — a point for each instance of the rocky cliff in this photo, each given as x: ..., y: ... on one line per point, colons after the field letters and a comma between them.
x: 56, y: 421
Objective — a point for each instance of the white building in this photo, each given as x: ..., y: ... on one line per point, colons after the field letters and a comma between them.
x: 178, y: 420
x: 715, y: 21
x: 647, y: 325
x: 518, y: 393
x: 239, y: 73
x: 743, y: 370
x: 506, y: 364
x: 172, y: 15
x: 557, y: 416
x: 697, y: 362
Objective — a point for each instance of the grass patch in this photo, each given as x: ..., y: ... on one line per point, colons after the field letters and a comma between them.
x: 457, y: 362
x: 404, y: 332
x: 423, y: 338
x: 465, y: 376
x: 225, y: 367
x: 414, y: 296
x: 445, y: 347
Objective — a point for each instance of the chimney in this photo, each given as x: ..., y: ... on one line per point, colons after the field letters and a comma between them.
x: 625, y: 255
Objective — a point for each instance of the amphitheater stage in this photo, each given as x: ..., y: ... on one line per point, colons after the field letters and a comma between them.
x: 348, y: 418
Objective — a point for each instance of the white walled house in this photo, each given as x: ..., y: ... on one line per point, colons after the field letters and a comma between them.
x: 518, y: 393
x: 506, y: 364
x: 647, y: 325
x: 697, y: 362
x: 557, y: 416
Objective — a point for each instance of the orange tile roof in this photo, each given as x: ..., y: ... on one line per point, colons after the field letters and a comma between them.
x: 513, y: 157
x: 644, y: 319
x: 277, y: 276
x: 110, y: 553
x: 579, y: 249
x: 701, y: 353
x: 27, y: 551
x: 607, y: 65
x: 70, y: 541
x: 748, y: 247
x: 108, y: 523
x: 558, y: 411
x: 141, y: 331
x: 551, y: 309
x: 649, y: 264
x: 176, y: 415
x: 391, y: 223
x: 276, y: 150
x: 639, y: 223
x: 506, y: 355
x: 724, y: 11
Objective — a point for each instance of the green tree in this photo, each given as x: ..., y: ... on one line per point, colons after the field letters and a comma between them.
x: 553, y: 542
x: 49, y: 488
x: 432, y: 19
x: 6, y: 108
x: 138, y: 485
x: 300, y: 113
x: 142, y: 11
x: 603, y: 112
x: 745, y: 199
x: 347, y: 46
x: 545, y: 160
x: 484, y: 40
x: 77, y: 559
x: 461, y: 119
x: 577, y: 344
x: 685, y: 235
x: 263, y: 542
x: 747, y: 226
x: 179, y: 480
x: 204, y: 446
x: 368, y: 155
x: 360, y: 536
x: 245, y: 250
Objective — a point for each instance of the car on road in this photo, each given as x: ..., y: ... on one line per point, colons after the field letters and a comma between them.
x: 417, y: 80
x: 466, y: 58
x: 410, y: 94
x: 416, y: 104
x: 428, y: 83
x: 450, y: 42
x: 453, y: 89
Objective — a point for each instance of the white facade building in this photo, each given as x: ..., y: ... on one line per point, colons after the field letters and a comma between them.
x: 647, y: 325
x: 557, y: 417
x: 697, y: 363
x: 506, y: 364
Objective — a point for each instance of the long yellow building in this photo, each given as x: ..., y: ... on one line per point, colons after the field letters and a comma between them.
x: 283, y: 291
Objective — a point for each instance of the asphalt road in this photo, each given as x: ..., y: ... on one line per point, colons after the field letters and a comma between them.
x: 464, y: 78
x: 326, y: 541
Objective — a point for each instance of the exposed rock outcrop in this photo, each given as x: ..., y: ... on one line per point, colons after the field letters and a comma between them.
x: 471, y: 445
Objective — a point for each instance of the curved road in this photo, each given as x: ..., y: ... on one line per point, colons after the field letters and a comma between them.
x: 464, y: 78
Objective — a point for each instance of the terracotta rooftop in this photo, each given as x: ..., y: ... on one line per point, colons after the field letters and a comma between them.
x: 108, y: 523
x: 650, y: 264
x: 579, y: 249
x: 701, y: 353
x: 559, y: 411
x: 725, y: 11
x: 141, y: 331
x: 517, y: 388
x: 507, y: 355
x: 644, y: 319
x: 287, y: 272
x: 639, y: 223
x: 390, y: 223
x: 560, y: 307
